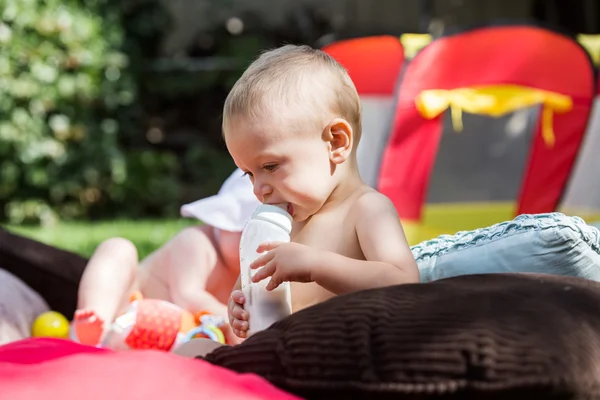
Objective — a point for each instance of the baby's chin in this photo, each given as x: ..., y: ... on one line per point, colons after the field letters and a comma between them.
x: 300, y: 215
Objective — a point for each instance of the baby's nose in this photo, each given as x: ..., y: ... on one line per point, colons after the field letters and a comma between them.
x: 262, y: 191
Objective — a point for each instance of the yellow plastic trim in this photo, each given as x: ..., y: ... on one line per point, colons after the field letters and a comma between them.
x: 495, y: 101
x: 449, y: 218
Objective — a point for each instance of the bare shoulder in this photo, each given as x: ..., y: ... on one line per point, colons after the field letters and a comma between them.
x: 197, y: 231
x: 381, y: 235
x: 372, y: 203
x: 196, y: 242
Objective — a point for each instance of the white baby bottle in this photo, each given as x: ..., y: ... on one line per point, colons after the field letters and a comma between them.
x: 269, y: 223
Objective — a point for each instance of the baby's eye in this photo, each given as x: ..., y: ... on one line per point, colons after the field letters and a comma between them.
x: 270, y: 167
x: 248, y: 174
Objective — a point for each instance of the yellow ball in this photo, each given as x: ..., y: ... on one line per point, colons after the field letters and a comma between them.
x: 50, y: 324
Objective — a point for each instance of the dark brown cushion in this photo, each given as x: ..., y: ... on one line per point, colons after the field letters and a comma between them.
x: 52, y: 272
x: 486, y: 336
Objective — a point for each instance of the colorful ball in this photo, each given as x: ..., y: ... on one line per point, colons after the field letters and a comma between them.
x: 50, y: 324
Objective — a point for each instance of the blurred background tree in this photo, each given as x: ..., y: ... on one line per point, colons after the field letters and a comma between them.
x: 68, y: 104
x: 111, y: 109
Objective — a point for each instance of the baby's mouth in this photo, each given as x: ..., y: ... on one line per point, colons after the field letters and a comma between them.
x: 290, y: 209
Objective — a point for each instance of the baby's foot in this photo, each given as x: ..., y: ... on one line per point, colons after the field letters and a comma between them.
x: 88, y: 327
x: 136, y: 296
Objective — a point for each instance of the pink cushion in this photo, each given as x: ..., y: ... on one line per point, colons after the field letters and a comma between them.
x: 31, y: 369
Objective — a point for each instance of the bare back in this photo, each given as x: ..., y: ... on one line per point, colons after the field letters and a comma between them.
x: 188, y: 264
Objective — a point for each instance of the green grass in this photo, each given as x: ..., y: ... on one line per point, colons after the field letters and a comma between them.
x: 83, y: 237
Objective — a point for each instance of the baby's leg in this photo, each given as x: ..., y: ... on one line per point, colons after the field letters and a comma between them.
x: 107, y: 282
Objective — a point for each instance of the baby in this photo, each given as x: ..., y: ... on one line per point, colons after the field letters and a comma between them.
x: 195, y: 270
x: 292, y: 123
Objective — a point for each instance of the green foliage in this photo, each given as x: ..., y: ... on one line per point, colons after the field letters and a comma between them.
x: 66, y: 90
x: 207, y: 168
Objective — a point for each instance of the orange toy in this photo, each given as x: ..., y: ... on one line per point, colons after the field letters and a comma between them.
x: 159, y: 325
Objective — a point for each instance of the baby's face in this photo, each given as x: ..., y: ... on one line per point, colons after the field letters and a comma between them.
x: 284, y: 165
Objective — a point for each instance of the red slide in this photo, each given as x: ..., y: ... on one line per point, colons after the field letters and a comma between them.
x: 35, y: 369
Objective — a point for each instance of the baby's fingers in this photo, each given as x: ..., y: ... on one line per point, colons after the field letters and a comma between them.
x: 268, y: 246
x: 239, y: 313
x: 238, y: 297
x: 240, y: 334
x: 274, y: 283
x: 264, y: 272
x: 261, y: 261
x: 239, y: 325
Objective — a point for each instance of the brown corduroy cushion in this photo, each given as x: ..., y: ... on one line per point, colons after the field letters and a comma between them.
x: 51, y: 272
x: 469, y: 337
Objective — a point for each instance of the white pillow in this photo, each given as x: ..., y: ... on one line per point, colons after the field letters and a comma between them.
x: 19, y: 307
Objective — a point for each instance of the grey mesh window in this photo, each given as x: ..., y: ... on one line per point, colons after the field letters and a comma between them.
x: 485, y: 161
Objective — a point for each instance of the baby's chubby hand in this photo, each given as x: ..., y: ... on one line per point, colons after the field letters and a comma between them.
x: 285, y: 262
x: 238, y: 317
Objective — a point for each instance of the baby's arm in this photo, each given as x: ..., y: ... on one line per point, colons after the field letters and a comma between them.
x: 194, y: 298
x: 189, y: 259
x: 389, y: 260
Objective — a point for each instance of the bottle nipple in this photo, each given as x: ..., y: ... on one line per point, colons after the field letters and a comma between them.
x: 283, y: 206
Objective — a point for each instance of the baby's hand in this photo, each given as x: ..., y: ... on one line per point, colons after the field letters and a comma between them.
x: 238, y: 317
x: 285, y: 262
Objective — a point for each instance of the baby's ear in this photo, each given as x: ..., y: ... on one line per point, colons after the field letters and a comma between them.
x: 340, y: 137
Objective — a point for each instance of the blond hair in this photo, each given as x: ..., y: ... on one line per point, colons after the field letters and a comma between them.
x: 292, y: 78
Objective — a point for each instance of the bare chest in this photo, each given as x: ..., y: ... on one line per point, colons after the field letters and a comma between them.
x: 324, y: 232
x: 330, y: 232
